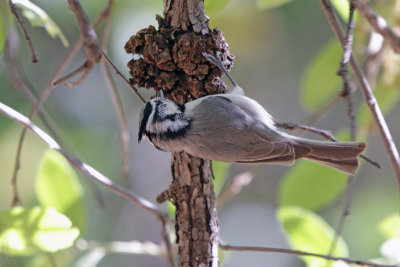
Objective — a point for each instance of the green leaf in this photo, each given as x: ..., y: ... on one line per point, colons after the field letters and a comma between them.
x: 39, y: 18
x: 171, y: 209
x: 269, y: 4
x: 342, y: 7
x: 25, y: 231
x: 2, y: 32
x: 311, y: 185
x: 306, y: 231
x: 58, y: 186
x: 215, y: 5
x: 390, y: 226
x: 320, y: 82
x: 220, y: 170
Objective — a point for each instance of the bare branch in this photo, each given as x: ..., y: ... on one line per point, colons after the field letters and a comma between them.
x: 26, y: 34
x: 90, y: 43
x: 130, y: 247
x: 368, y: 94
x: 88, y: 67
x: 112, y: 89
x: 133, y: 88
x: 343, y: 72
x: 302, y: 253
x: 379, y: 24
x: 239, y: 181
x: 165, y: 237
x: 347, y: 93
x: 81, y: 166
x: 89, y: 37
x: 351, y: 182
x: 82, y: 68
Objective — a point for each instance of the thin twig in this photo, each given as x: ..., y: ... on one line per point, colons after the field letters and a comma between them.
x: 81, y: 166
x: 83, y: 76
x: 52, y: 260
x: 130, y: 247
x: 343, y: 72
x: 324, y: 133
x: 26, y: 34
x: 368, y: 94
x: 239, y: 181
x: 104, y: 15
x: 71, y: 74
x: 117, y: 103
x: 133, y: 88
x: 90, y: 44
x: 379, y: 24
x: 348, y: 199
x: 301, y: 253
x: 167, y: 243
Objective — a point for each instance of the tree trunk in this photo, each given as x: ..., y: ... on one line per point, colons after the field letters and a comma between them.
x: 170, y: 59
x: 192, y: 190
x: 196, y: 217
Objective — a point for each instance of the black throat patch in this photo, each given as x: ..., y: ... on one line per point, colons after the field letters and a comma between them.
x: 146, y: 113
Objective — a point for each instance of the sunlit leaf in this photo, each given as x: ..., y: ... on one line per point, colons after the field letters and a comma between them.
x: 58, y: 186
x: 390, y: 226
x: 268, y: 4
x: 25, y: 231
x: 39, y: 18
x: 215, y: 5
x: 311, y: 185
x: 320, y: 82
x: 220, y: 170
x: 342, y: 7
x: 306, y: 231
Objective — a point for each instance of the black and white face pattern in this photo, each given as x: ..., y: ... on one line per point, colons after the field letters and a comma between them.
x: 163, y: 118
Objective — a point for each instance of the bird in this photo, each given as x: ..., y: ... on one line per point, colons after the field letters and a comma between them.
x: 237, y: 129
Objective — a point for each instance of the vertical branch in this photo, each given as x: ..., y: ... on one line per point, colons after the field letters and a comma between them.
x: 196, y: 215
x: 368, y: 94
x: 112, y: 88
x: 343, y: 72
x: 192, y: 191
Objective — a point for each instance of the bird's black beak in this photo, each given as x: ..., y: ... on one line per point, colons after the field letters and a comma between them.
x: 144, y: 117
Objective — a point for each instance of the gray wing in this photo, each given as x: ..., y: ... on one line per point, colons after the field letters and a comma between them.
x: 224, y: 131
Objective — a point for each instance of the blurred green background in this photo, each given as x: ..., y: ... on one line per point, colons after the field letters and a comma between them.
x: 274, y: 48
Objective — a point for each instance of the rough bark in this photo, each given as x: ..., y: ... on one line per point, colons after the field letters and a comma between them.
x: 171, y: 60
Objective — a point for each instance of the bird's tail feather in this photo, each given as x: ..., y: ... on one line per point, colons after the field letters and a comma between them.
x: 339, y: 155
